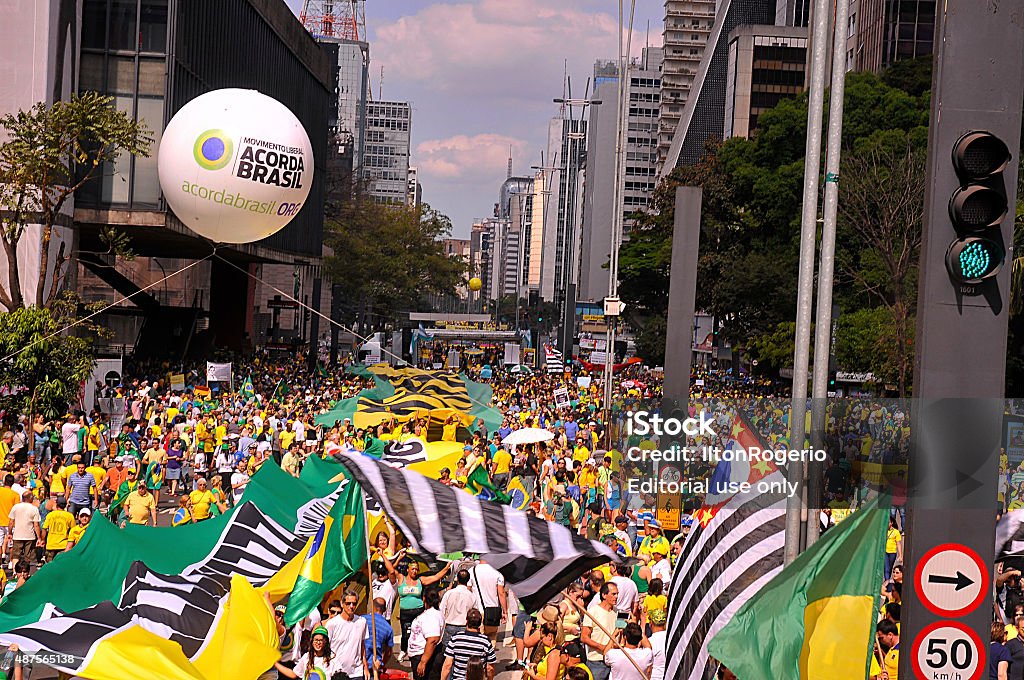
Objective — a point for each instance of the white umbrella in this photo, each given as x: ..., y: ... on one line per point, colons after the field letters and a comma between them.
x: 528, y: 435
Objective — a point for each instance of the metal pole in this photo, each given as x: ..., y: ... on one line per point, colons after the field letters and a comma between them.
x: 616, y: 235
x: 823, y: 323
x: 805, y: 288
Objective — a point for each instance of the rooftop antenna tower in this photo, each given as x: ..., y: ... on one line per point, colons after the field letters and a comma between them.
x: 344, y: 19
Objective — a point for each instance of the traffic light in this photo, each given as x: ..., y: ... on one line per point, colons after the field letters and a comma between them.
x: 977, y: 209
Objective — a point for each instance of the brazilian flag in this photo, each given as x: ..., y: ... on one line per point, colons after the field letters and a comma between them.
x: 246, y: 390
x: 480, y: 485
x: 338, y: 549
x: 154, y: 475
x: 114, y: 511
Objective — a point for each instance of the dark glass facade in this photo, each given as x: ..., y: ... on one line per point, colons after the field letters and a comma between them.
x: 708, y: 119
x: 153, y: 56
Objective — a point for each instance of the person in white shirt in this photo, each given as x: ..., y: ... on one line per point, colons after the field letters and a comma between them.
x: 425, y: 639
x: 489, y: 587
x: 347, y: 635
x: 629, y: 594
x: 69, y: 436
x: 657, y: 639
x: 661, y: 567
x: 319, y: 658
x: 624, y: 662
x: 239, y: 480
x: 455, y: 604
x: 384, y: 589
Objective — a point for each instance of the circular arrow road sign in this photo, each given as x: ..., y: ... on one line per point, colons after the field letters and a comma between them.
x: 948, y: 649
x: 951, y: 580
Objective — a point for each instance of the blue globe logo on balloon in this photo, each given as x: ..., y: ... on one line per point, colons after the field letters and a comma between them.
x: 213, y: 150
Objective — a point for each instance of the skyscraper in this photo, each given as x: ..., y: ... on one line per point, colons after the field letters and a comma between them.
x: 703, y: 116
x: 766, y: 65
x: 386, y: 145
x: 640, y: 162
x: 567, y: 145
x: 688, y: 24
x: 881, y: 32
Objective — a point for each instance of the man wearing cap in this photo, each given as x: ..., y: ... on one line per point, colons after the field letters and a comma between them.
x: 140, y: 506
x: 114, y: 478
x: 653, y: 541
x: 660, y: 566
x: 77, y: 532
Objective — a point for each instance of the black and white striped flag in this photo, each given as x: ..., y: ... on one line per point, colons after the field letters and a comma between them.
x: 537, y: 558
x: 1010, y: 540
x: 733, y: 550
x: 553, y: 360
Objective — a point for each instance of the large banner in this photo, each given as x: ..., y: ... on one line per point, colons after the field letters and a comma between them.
x: 218, y: 372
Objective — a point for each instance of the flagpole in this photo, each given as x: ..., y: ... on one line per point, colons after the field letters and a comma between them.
x: 369, y: 585
x: 610, y: 636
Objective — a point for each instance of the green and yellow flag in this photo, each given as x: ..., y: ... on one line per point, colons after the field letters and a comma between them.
x: 480, y: 485
x: 816, y: 619
x: 339, y: 548
x: 246, y: 390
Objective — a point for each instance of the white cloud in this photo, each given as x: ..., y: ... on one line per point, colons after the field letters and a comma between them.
x: 508, y: 48
x: 463, y: 157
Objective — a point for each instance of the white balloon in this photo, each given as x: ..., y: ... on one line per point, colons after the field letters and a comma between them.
x: 235, y: 165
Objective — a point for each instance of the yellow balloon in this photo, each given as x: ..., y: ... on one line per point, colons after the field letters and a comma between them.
x: 475, y: 284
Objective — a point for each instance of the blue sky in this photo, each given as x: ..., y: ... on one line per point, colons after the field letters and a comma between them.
x: 480, y: 75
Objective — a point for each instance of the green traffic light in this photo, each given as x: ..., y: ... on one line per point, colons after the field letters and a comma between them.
x: 973, y: 259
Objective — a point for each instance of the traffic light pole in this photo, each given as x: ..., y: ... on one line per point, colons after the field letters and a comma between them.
x: 962, y: 310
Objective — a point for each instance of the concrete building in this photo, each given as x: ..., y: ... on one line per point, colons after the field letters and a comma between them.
x: 794, y: 13
x: 766, y: 65
x: 881, y: 32
x: 688, y: 24
x: 414, y: 190
x: 515, y: 208
x: 703, y: 116
x: 563, y: 219
x: 153, y: 56
x: 386, y: 150
x: 640, y: 163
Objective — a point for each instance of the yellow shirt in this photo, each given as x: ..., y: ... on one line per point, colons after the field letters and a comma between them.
x: 171, y: 413
x: 93, y: 440
x: 139, y: 507
x: 448, y: 432
x: 98, y: 472
x: 891, y: 540
x: 201, y: 501
x: 587, y: 478
x: 653, y: 603
x: 502, y: 461
x: 58, y: 525
x: 222, y: 431
x: 156, y: 430
x: 892, y: 662
x: 76, y: 534
x: 287, y: 437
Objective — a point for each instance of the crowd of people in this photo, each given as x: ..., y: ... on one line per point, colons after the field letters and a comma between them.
x: 190, y: 453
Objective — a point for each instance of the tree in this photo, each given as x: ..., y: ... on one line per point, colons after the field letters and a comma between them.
x: 881, y: 204
x: 390, y: 257
x: 44, y: 367
x: 51, y: 152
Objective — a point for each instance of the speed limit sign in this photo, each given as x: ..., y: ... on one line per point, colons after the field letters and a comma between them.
x: 948, y: 649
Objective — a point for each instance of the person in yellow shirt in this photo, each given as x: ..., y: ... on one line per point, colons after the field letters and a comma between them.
x: 140, y: 507
x: 889, y: 644
x: 57, y: 528
x: 77, y: 532
x: 501, y: 465
x: 287, y: 437
x: 448, y: 431
x: 655, y: 599
x: 201, y: 499
x: 8, y: 499
x: 92, y: 440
